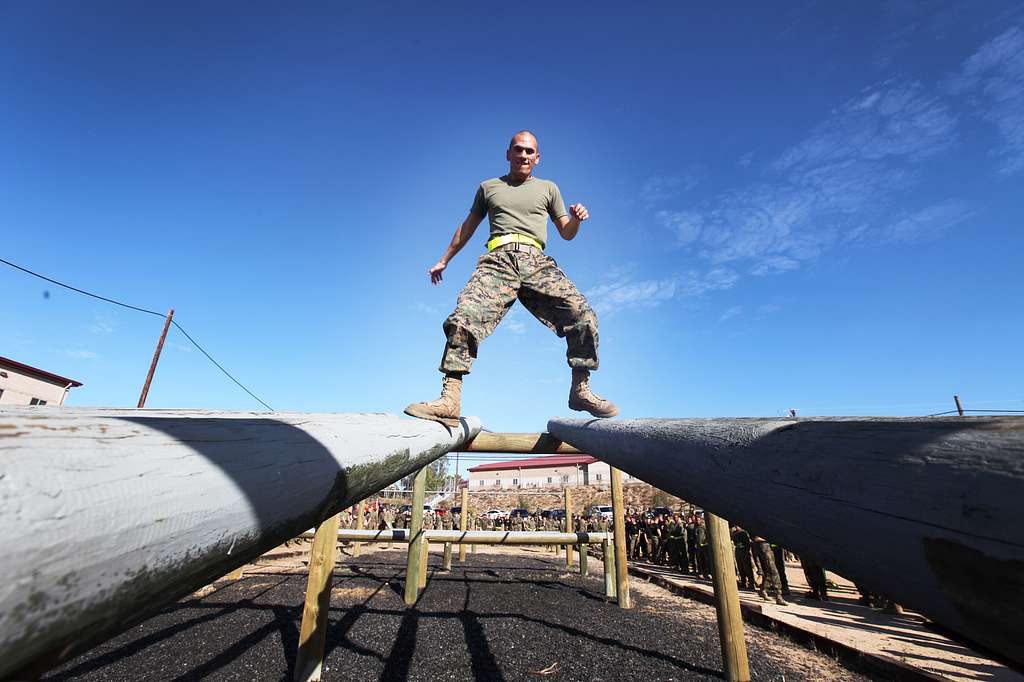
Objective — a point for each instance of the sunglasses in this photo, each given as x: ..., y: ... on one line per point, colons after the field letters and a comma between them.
x: 530, y: 151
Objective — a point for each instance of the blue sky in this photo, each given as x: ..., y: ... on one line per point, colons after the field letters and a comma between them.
x: 808, y: 205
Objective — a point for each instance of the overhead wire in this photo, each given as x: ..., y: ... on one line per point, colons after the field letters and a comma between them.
x: 141, y: 310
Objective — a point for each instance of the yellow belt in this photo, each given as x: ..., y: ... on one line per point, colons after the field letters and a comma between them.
x: 515, y: 238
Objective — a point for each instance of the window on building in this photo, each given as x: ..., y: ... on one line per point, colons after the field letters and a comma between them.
x: 37, y: 401
x: 482, y: 481
x: 549, y: 479
x: 565, y: 479
x: 597, y: 477
x: 515, y: 481
x: 1, y: 393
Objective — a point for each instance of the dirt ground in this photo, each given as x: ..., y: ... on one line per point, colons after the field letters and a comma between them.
x: 506, y: 614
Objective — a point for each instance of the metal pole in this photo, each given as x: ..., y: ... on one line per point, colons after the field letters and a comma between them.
x: 313, y: 631
x: 619, y: 535
x: 414, y: 563
x: 464, y: 520
x: 568, y: 524
x: 727, y: 600
x: 156, y: 359
x: 959, y: 406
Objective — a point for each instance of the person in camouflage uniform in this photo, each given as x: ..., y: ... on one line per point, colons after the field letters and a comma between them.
x: 516, y: 268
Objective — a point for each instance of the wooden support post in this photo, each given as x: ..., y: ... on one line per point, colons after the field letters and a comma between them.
x: 359, y: 526
x: 424, y: 565
x: 727, y: 600
x: 414, y: 563
x: 583, y: 549
x: 446, y: 564
x: 568, y: 524
x: 156, y: 359
x: 464, y: 520
x: 608, y: 548
x: 313, y: 631
x: 619, y: 535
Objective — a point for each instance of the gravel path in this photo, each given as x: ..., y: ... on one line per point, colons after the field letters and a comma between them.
x: 509, y: 614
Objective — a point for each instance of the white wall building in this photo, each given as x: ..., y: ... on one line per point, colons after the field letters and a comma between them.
x: 541, y: 472
x: 22, y: 384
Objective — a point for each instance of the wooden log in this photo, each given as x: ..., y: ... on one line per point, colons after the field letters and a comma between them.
x: 926, y: 511
x: 359, y: 526
x: 446, y: 561
x: 619, y: 537
x: 727, y: 600
x: 568, y: 525
x: 583, y: 551
x: 415, y: 560
x: 464, y: 521
x: 116, y: 513
x: 483, y: 537
x: 313, y: 632
x: 607, y: 548
x: 520, y: 443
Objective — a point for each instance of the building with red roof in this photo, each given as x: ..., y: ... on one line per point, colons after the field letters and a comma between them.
x: 22, y: 384
x: 539, y: 472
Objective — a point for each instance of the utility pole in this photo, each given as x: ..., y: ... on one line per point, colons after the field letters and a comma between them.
x: 156, y: 359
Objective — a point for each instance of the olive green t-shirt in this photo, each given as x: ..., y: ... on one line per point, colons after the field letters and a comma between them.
x: 522, y: 207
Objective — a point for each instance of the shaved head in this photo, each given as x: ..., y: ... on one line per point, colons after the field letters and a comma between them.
x: 524, y: 133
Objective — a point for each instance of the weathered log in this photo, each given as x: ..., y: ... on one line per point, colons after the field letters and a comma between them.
x: 522, y: 443
x: 107, y: 515
x: 929, y: 512
x: 479, y: 537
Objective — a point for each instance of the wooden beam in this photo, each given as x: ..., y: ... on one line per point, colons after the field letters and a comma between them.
x: 926, y: 511
x: 116, y: 513
x: 464, y: 521
x: 568, y: 524
x: 415, y: 560
x: 482, y: 537
x: 521, y: 443
x: 727, y: 600
x: 313, y: 631
x: 619, y: 537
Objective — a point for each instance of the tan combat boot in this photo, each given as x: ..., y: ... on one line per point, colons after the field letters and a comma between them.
x: 582, y: 399
x: 445, y: 409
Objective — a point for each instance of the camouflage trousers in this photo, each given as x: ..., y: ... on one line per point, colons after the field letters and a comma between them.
x: 503, y: 276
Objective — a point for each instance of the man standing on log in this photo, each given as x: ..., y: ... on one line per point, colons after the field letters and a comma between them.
x: 515, y: 267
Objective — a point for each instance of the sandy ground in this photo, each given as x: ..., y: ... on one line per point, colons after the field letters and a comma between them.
x: 506, y: 614
x: 905, y: 638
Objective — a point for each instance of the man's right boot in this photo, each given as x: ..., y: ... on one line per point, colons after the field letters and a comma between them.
x: 445, y: 409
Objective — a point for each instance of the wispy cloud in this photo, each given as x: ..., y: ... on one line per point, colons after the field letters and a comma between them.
x: 625, y: 292
x: 660, y: 188
x: 420, y: 307
x: 930, y: 221
x: 730, y: 313
x: 102, y: 326
x: 994, y: 75
x: 79, y: 354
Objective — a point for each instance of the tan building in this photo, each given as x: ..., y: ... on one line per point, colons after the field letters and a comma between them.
x: 540, y: 472
x: 25, y: 385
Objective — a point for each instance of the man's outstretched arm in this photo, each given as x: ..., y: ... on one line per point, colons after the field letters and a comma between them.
x: 462, y: 235
x: 569, y: 225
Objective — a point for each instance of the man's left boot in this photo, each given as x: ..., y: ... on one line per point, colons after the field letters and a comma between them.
x: 582, y: 399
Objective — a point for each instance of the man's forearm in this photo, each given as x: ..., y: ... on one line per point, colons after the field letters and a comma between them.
x: 569, y: 230
x: 463, y: 233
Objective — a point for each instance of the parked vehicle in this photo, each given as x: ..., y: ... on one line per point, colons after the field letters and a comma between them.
x: 599, y: 510
x: 494, y: 514
x: 661, y: 511
x: 519, y: 514
x: 556, y: 514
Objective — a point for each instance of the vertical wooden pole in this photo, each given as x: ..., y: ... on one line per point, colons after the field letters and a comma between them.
x: 156, y: 359
x: 727, y: 600
x: 313, y: 631
x: 607, y: 547
x: 568, y: 524
x: 583, y: 550
x: 446, y: 564
x: 619, y: 535
x: 359, y: 526
x: 464, y: 521
x: 414, y: 562
x: 424, y: 564
x: 959, y: 406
